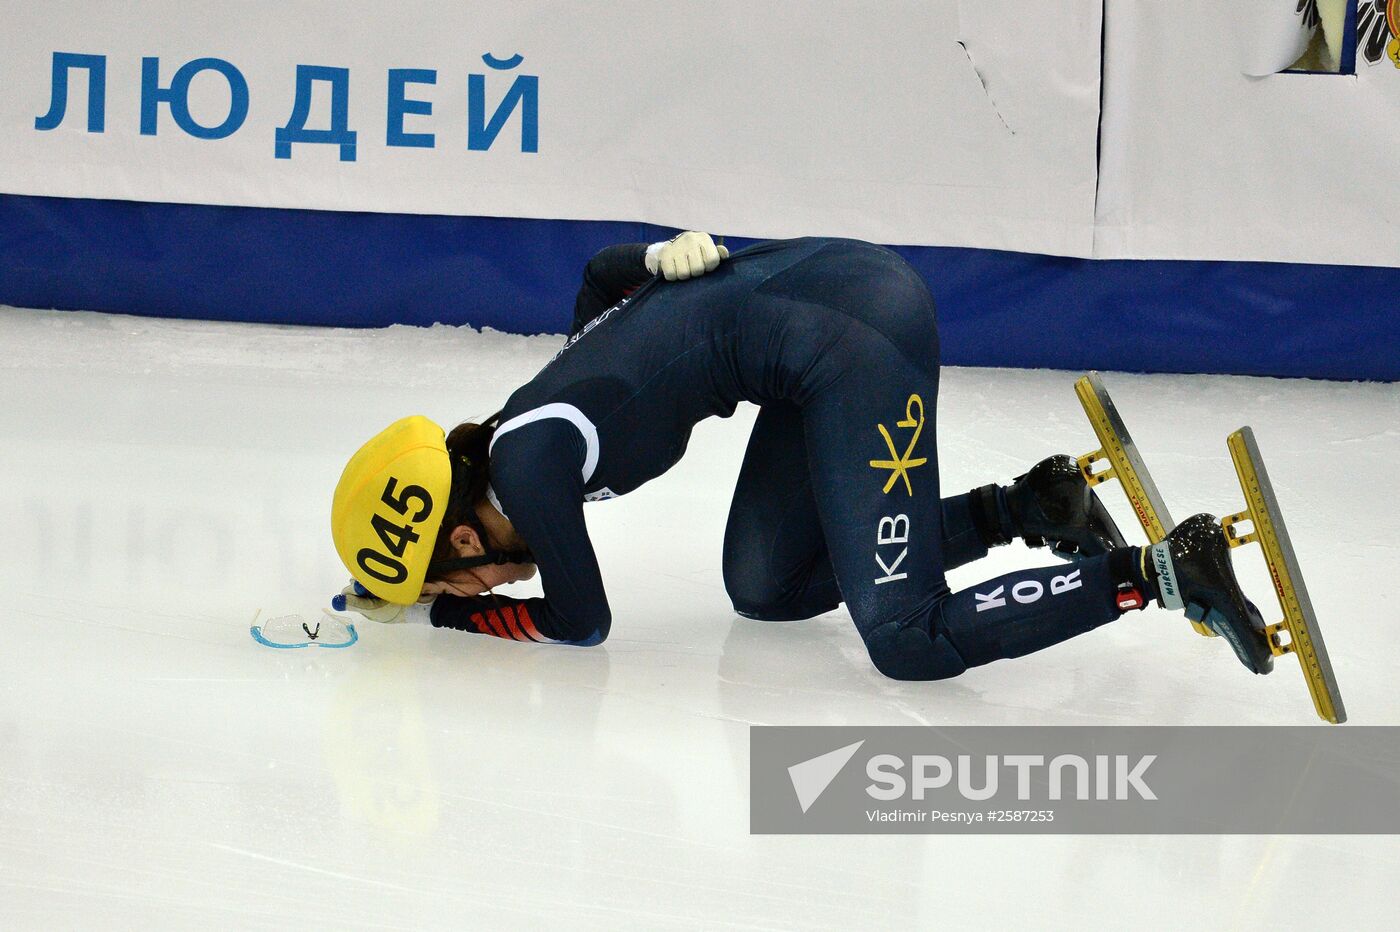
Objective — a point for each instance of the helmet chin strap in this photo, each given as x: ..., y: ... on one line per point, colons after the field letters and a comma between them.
x: 489, y: 558
x: 492, y: 556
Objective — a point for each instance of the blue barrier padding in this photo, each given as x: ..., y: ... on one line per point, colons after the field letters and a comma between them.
x: 370, y: 270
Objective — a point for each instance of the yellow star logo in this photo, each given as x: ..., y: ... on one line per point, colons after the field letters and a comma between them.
x: 899, y: 465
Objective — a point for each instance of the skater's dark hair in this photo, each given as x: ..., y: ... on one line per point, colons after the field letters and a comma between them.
x: 467, y: 447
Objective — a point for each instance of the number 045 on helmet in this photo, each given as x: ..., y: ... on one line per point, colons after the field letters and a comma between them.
x: 389, y: 506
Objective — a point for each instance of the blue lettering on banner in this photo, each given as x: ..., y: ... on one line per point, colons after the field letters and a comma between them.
x: 484, y: 123
x: 339, y: 132
x: 400, y: 104
x: 96, y: 66
x: 524, y: 94
x: 177, y: 96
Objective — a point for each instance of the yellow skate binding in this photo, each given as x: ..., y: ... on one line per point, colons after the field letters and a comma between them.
x: 1125, y: 464
x: 1266, y: 528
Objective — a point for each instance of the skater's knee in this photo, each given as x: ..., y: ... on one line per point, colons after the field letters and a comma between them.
x: 762, y: 599
x: 767, y: 603
x: 908, y: 652
x: 786, y: 611
x: 747, y: 589
x: 752, y: 590
x: 753, y: 605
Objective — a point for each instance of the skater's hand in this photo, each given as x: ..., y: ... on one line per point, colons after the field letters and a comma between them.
x: 356, y: 598
x: 689, y: 255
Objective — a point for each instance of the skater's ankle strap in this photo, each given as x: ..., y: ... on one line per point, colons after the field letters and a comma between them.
x: 986, y: 516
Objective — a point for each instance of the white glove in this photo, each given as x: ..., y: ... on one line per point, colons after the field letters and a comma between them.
x: 356, y: 598
x: 689, y: 255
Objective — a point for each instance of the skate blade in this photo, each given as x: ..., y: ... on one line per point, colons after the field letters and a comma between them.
x: 1125, y: 464
x: 1266, y: 528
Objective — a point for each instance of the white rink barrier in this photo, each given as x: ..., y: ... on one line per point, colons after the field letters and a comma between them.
x: 930, y: 122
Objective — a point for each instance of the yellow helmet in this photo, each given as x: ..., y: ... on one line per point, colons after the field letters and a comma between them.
x: 389, y: 506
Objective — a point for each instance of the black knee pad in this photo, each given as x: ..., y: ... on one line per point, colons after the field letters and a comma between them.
x: 754, y: 594
x: 778, y: 608
x: 765, y: 613
x: 908, y: 653
x: 748, y: 590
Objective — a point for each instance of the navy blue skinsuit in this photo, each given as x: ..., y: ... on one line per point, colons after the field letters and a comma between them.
x: 838, y: 498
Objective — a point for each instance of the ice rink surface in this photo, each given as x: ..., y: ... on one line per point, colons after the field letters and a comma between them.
x: 164, y: 480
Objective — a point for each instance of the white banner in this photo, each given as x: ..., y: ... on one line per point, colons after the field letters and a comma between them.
x: 932, y: 122
x: 1203, y: 158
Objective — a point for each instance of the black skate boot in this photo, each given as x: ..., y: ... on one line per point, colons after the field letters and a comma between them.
x: 1052, y: 504
x: 1192, y: 570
